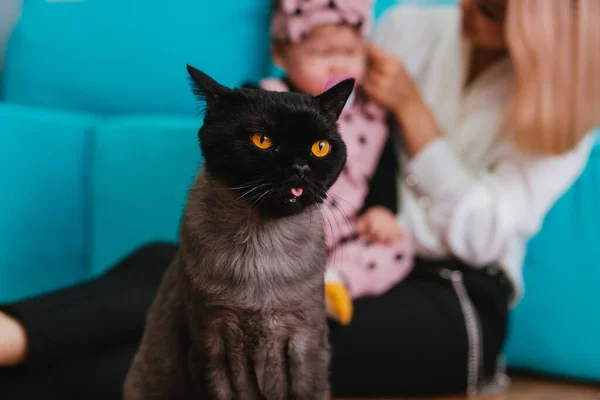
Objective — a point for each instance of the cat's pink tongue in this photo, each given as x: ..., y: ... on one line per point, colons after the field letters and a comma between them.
x: 334, y: 80
x: 297, y: 192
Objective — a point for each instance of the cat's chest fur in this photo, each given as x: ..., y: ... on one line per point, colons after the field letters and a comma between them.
x: 234, y: 258
x: 253, y: 293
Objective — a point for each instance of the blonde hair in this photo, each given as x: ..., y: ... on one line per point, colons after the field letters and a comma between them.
x: 555, y: 51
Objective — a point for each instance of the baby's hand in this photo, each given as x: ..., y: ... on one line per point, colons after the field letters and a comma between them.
x: 379, y: 224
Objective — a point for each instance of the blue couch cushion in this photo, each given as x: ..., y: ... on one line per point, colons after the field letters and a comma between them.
x: 43, y: 206
x: 555, y: 329
x: 143, y: 167
x: 108, y: 56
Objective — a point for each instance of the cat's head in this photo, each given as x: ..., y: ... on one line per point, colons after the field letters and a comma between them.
x: 279, y: 152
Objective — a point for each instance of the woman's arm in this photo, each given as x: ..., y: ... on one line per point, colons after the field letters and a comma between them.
x: 474, y: 213
x: 478, y: 214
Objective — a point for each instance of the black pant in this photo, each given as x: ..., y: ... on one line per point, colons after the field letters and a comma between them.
x: 410, y: 341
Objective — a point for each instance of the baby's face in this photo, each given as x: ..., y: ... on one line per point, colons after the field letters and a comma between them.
x: 329, y: 52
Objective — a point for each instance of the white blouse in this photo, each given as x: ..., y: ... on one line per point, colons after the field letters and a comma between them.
x: 469, y: 194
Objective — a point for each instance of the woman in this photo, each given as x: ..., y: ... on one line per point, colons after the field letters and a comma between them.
x: 496, y: 99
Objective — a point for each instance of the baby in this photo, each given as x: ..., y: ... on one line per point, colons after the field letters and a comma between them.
x: 319, y: 43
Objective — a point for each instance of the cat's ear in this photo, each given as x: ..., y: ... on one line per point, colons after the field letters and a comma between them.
x: 334, y: 99
x: 206, y: 89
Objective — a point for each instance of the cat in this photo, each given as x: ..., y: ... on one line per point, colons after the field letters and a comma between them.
x: 240, y: 313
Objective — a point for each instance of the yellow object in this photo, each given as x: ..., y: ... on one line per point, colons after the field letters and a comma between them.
x: 261, y: 141
x: 321, y: 148
x: 339, y: 302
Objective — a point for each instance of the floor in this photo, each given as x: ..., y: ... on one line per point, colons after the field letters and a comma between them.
x: 532, y: 389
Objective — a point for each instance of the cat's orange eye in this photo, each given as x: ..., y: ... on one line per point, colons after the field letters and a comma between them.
x: 261, y: 141
x: 321, y: 148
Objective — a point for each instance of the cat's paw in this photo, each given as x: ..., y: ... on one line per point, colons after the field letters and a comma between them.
x: 338, y: 302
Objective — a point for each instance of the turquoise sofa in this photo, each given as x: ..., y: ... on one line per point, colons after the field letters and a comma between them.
x: 98, y: 147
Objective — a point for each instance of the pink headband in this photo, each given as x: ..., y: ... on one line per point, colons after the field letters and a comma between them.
x: 294, y: 19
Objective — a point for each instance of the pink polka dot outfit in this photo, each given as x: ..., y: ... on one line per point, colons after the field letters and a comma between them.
x: 366, y: 268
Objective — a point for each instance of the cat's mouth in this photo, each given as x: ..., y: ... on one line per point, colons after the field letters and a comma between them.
x: 295, y: 192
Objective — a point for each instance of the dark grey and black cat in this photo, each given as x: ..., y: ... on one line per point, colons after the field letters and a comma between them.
x: 240, y: 313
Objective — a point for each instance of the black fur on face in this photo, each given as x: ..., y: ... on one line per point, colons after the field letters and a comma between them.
x: 260, y: 143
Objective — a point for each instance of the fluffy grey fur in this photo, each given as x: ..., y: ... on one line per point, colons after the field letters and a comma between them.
x: 263, y: 337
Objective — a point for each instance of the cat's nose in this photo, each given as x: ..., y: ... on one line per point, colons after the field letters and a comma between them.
x: 301, y: 170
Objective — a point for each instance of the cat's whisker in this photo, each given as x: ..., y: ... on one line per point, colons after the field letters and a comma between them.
x: 263, y: 197
x: 335, y: 215
x: 324, y: 195
x: 251, y: 190
x: 247, y: 185
x: 327, y: 223
x: 255, y: 198
x: 336, y: 252
x: 340, y: 198
x: 344, y: 215
x: 346, y: 220
x: 240, y: 187
x: 336, y: 246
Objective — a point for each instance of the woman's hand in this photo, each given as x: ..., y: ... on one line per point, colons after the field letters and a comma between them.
x: 390, y: 85
x: 388, y: 82
x: 380, y: 225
